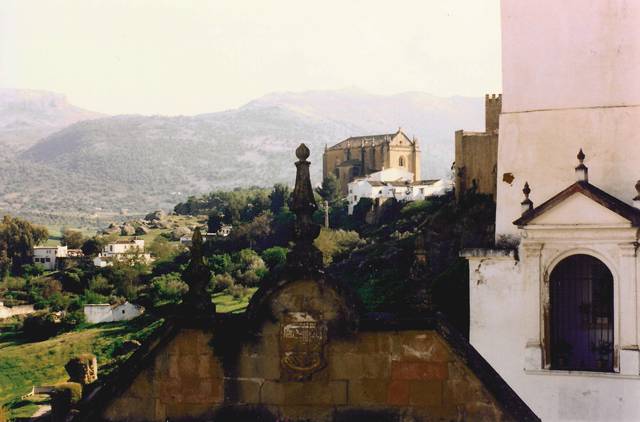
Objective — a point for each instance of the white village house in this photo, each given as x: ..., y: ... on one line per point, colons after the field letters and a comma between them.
x: 223, y: 231
x: 394, y: 183
x: 104, y: 312
x: 121, y: 249
x: 47, y: 256
x: 554, y: 307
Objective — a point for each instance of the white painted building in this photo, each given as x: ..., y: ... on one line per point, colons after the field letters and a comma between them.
x: 554, y: 308
x: 223, y: 231
x: 47, y: 255
x: 394, y: 183
x: 121, y: 250
x: 124, y: 246
x: 104, y: 312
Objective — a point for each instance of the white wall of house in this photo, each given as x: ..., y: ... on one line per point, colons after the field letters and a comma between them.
x: 570, y: 80
x: 97, y: 313
x: 124, y: 247
x: 103, y: 312
x: 366, y: 188
x: 46, y: 256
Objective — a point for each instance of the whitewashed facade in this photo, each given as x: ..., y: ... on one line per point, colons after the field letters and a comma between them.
x: 104, y: 312
x: 394, y: 183
x: 47, y: 255
x: 555, y: 308
x: 121, y: 250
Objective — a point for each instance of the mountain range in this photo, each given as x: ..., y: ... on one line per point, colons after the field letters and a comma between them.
x: 60, y: 160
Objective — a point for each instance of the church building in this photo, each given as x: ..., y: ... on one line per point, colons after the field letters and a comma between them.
x: 554, y: 305
x: 360, y: 156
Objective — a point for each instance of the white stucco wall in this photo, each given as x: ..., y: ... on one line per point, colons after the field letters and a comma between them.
x: 97, y: 313
x: 569, y: 82
x: 126, y: 311
x: 507, y: 297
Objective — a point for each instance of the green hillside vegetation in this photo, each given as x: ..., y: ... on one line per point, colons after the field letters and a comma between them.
x: 26, y: 364
x: 374, y: 252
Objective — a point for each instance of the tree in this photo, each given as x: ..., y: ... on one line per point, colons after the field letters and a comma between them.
x: 18, y: 237
x: 278, y: 197
x: 257, y: 231
x: 330, y: 189
x: 214, y: 222
x: 93, y: 246
x: 275, y: 256
x: 73, y: 239
x: 162, y: 249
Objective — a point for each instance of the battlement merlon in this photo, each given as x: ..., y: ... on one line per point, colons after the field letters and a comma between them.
x: 492, y: 110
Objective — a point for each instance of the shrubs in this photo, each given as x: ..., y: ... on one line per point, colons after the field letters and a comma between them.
x: 64, y: 396
x: 238, y: 292
x: 334, y: 244
x: 101, y: 285
x: 274, y: 257
x: 168, y: 288
x: 42, y: 325
x: 223, y: 282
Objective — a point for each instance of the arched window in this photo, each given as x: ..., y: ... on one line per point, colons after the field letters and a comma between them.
x: 581, y: 299
x: 401, y: 161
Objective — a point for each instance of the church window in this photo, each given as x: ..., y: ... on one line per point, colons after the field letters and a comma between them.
x: 401, y: 161
x: 581, y: 326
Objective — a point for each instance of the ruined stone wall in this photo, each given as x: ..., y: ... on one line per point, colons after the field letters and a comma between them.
x: 476, y: 159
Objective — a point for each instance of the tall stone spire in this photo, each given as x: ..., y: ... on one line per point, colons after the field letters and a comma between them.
x: 304, y: 256
x: 197, y: 275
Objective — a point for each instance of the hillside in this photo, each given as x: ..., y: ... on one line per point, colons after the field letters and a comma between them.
x: 147, y: 162
x: 27, y: 116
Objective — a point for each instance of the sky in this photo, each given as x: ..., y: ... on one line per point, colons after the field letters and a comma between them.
x: 189, y: 57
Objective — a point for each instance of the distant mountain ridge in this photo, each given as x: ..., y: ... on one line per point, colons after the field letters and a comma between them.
x: 145, y: 162
x: 27, y: 116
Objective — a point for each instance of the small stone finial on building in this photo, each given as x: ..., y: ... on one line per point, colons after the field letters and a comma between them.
x: 304, y: 256
x: 582, y: 172
x: 197, y: 276
x: 526, y: 205
x: 636, y: 200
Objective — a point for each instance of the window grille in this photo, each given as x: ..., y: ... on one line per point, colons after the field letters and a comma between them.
x: 581, y: 315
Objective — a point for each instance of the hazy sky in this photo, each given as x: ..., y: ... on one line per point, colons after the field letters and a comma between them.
x: 187, y: 57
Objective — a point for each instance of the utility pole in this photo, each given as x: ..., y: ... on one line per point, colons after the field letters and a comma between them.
x: 326, y: 214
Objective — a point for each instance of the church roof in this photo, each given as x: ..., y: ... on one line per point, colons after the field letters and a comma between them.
x: 590, y: 191
x: 369, y: 140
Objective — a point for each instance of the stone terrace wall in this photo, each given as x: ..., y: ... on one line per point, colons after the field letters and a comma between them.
x: 386, y: 375
x: 6, y: 311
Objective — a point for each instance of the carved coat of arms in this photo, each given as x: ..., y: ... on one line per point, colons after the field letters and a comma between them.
x: 302, y: 341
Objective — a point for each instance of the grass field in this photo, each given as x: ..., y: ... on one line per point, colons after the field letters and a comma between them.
x: 25, y: 364
x: 227, y: 303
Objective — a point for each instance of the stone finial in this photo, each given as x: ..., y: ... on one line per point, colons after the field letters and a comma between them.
x: 197, y: 275
x: 526, y: 205
x: 304, y: 255
x: 582, y: 172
